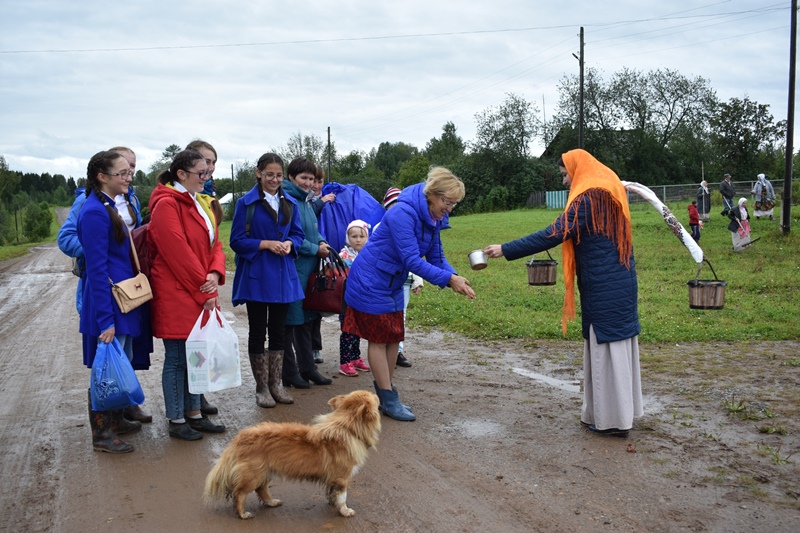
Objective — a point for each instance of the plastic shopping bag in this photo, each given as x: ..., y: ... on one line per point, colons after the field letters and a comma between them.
x: 114, y: 384
x: 212, y: 354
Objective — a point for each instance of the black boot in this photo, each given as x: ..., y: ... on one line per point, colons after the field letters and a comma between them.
x: 103, y: 439
x: 402, y: 361
x: 120, y: 425
x: 135, y: 412
x: 296, y: 381
x: 206, y: 408
x: 315, y: 377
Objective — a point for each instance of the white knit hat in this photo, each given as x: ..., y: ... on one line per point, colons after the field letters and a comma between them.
x: 357, y: 223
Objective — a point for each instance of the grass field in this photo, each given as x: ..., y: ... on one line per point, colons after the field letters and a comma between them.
x: 759, y: 301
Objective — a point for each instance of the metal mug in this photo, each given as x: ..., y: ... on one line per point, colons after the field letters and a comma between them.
x: 477, y: 260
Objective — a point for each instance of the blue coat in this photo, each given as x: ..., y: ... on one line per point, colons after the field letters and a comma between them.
x: 262, y: 276
x: 405, y: 236
x: 608, y: 289
x: 306, y: 259
x: 69, y: 243
x: 105, y: 258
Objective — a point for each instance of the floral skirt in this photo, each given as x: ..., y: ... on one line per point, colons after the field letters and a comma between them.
x: 383, y: 329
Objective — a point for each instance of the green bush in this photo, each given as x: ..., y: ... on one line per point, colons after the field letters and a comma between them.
x: 36, y: 222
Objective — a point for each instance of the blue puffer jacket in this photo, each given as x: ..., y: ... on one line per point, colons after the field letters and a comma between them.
x: 406, y: 234
x: 262, y: 276
x: 608, y: 289
x: 68, y: 234
x: 307, y: 254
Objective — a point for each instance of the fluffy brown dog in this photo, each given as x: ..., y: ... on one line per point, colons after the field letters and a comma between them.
x: 330, y: 452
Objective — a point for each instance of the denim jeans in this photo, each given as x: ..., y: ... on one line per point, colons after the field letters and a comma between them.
x: 126, y: 341
x: 175, y: 383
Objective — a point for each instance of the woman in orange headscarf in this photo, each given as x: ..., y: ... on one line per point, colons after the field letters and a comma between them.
x: 595, y: 231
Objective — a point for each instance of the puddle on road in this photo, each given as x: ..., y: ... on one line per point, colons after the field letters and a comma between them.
x: 569, y: 386
x: 475, y: 429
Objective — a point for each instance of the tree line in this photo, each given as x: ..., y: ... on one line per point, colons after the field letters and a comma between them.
x: 656, y: 127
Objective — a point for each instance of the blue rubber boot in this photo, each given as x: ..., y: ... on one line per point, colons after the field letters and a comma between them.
x: 378, y: 393
x: 393, y: 408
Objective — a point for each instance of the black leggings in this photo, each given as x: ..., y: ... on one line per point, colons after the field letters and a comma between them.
x: 257, y: 315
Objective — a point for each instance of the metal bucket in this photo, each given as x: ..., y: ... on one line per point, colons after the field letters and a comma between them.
x: 542, y: 271
x: 477, y: 260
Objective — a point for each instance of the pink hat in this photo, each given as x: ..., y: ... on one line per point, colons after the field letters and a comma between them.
x: 391, y: 197
x: 357, y: 223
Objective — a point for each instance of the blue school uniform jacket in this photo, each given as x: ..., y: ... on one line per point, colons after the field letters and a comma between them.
x: 105, y: 259
x: 262, y: 276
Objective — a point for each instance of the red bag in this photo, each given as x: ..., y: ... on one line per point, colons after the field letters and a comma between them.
x: 139, y: 236
x: 325, y: 289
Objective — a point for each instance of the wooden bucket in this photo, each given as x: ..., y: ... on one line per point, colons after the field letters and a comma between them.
x: 542, y: 271
x: 706, y: 293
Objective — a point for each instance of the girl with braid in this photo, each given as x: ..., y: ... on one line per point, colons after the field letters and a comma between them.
x: 266, y: 235
x: 106, y: 246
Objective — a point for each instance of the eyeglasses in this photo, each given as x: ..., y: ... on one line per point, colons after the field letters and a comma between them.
x: 448, y: 204
x: 124, y: 174
x: 205, y: 173
x: 270, y: 176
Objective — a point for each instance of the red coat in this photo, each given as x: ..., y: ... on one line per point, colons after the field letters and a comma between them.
x: 694, y: 216
x: 182, y: 257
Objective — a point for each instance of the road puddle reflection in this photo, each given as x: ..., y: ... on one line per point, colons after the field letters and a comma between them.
x: 569, y: 386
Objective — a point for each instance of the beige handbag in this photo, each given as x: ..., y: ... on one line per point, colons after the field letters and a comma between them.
x: 132, y: 292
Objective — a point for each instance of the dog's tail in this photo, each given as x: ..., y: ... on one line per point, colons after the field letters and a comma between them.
x: 219, y: 483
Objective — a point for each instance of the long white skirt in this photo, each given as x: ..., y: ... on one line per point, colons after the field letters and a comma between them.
x: 612, y: 395
x: 758, y: 213
x: 739, y: 242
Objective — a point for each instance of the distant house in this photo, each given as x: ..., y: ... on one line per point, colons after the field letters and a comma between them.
x: 227, y: 199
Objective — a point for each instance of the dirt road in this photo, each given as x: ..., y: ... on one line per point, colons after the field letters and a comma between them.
x: 492, y: 450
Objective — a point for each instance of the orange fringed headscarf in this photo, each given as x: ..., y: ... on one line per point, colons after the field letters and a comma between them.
x: 611, y: 216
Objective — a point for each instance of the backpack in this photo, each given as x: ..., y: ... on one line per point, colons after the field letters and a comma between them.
x: 139, y: 236
x: 251, y: 209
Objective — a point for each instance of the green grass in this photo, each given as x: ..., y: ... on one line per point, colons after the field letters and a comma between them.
x: 17, y: 250
x: 759, y: 298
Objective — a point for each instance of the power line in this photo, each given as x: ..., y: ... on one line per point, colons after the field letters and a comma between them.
x: 774, y: 7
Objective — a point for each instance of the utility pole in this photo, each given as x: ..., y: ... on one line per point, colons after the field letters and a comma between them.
x: 580, y: 96
x: 786, y: 206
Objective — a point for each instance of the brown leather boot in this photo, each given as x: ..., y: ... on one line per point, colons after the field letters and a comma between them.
x: 258, y: 362
x: 275, y: 359
x: 103, y: 439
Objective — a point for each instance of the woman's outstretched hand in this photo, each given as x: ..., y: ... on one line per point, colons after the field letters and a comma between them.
x: 461, y: 286
x: 494, y: 251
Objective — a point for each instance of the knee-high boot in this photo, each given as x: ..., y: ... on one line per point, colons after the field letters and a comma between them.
x: 258, y: 362
x: 103, y: 439
x: 275, y: 359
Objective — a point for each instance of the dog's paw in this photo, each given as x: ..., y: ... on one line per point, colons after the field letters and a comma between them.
x: 245, y: 515
x: 346, y: 511
x: 272, y: 503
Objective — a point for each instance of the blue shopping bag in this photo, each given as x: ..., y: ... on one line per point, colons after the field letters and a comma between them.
x: 114, y: 384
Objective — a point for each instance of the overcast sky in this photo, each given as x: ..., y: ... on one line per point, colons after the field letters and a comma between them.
x: 80, y: 77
